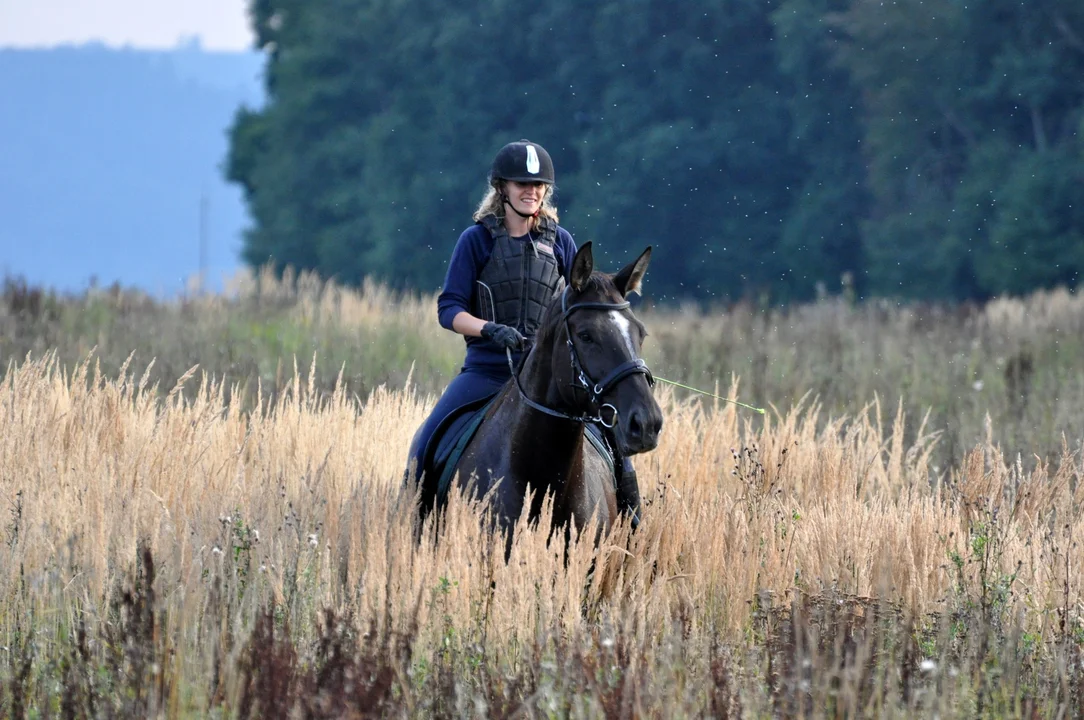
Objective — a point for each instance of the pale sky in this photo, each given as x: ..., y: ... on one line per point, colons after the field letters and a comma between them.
x: 219, y: 24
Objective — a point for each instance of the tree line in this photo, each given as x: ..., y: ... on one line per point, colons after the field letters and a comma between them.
x: 769, y: 149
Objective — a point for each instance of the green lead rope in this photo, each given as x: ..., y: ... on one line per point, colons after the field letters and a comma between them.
x: 717, y: 397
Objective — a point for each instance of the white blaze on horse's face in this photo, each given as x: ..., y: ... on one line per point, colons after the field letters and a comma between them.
x: 624, y: 327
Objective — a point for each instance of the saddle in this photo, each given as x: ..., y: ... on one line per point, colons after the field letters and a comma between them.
x: 450, y: 439
x: 455, y: 432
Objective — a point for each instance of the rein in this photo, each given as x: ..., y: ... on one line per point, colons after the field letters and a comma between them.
x: 595, y: 390
x: 549, y: 411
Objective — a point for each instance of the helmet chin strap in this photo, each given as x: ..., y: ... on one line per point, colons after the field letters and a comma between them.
x: 508, y: 202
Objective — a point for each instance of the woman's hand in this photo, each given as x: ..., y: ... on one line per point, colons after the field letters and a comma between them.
x: 504, y: 335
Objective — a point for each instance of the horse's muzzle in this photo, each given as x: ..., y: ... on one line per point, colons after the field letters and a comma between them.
x: 640, y: 429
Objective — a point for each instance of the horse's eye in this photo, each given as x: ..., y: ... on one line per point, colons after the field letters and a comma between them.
x: 585, y: 336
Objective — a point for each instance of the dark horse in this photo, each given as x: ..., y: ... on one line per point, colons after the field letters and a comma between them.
x: 584, y: 368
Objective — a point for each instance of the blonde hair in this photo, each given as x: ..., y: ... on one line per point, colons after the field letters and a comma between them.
x: 493, y: 204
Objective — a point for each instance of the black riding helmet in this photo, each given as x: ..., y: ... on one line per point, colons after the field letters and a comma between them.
x: 522, y: 161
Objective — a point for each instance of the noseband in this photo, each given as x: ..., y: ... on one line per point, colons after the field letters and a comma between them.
x: 582, y: 380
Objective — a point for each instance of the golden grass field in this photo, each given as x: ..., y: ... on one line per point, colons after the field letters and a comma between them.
x: 243, y: 548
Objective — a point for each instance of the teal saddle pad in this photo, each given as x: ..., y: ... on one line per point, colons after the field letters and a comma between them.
x: 458, y: 429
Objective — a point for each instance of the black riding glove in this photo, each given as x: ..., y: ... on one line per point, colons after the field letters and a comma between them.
x: 504, y: 335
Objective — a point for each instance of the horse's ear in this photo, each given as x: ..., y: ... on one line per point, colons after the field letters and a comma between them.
x: 628, y: 280
x: 582, y: 266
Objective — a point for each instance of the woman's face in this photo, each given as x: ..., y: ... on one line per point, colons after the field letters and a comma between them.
x: 526, y: 197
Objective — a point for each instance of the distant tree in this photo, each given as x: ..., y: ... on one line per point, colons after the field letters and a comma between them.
x: 681, y: 137
x: 821, y: 234
x: 764, y: 148
x: 667, y: 128
x: 344, y: 170
x: 961, y: 103
x: 1036, y: 226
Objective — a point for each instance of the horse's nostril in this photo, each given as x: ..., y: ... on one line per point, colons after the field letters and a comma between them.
x: 651, y: 429
x: 636, y: 428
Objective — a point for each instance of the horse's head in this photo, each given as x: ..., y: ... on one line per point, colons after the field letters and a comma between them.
x: 595, y: 363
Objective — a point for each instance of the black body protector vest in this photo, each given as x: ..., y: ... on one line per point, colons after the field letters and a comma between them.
x: 520, y: 279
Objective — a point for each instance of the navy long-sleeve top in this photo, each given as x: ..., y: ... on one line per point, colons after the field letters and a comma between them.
x: 470, y: 255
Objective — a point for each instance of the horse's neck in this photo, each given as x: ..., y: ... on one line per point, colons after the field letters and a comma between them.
x: 548, y: 455
x: 536, y: 376
x: 546, y: 444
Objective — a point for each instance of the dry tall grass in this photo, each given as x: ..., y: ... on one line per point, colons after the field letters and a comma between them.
x: 1016, y: 361
x: 751, y: 523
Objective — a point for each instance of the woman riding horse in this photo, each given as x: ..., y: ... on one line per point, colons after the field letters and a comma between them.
x: 503, y: 273
x: 583, y: 370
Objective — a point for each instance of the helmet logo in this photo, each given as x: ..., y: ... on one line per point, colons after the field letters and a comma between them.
x: 533, y: 166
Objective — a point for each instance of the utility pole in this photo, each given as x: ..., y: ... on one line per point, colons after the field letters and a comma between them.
x: 203, y: 203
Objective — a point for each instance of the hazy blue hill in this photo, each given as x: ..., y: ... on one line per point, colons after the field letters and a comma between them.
x: 104, y: 157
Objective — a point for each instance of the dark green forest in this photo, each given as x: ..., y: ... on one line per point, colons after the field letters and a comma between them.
x: 769, y: 149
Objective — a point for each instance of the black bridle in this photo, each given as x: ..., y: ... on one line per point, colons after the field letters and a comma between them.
x: 581, y: 379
